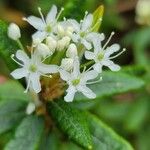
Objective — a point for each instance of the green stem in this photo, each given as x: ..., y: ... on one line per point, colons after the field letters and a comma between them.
x: 87, y: 64
x: 20, y: 45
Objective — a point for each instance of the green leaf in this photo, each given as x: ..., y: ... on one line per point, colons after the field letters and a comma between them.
x: 13, y: 90
x: 97, y: 15
x: 28, y: 134
x: 11, y: 113
x: 113, y: 83
x: 104, y: 138
x: 7, y: 46
x: 72, y: 122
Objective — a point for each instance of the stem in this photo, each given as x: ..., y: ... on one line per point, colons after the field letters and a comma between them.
x: 87, y: 64
x: 20, y: 45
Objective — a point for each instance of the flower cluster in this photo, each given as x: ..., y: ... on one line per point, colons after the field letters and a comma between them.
x: 61, y: 47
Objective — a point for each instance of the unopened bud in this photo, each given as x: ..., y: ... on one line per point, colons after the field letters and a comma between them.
x: 67, y: 64
x: 30, y: 108
x: 36, y: 42
x: 14, y: 31
x: 43, y: 50
x: 72, y: 51
x: 51, y: 43
x: 60, y: 30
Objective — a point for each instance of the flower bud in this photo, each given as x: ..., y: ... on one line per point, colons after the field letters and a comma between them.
x: 72, y: 51
x: 30, y: 108
x: 36, y: 42
x: 14, y: 31
x: 60, y: 30
x: 43, y: 50
x: 51, y: 43
x: 67, y: 64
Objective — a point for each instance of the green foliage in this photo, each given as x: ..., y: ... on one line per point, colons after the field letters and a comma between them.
x: 11, y: 113
x: 72, y: 122
x: 113, y: 83
x: 7, y: 46
x: 13, y: 90
x: 104, y: 137
x: 28, y: 134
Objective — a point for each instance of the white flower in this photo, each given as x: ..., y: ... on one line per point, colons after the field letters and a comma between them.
x: 32, y: 69
x: 67, y: 64
x: 101, y: 55
x: 14, y: 31
x: 43, y: 50
x: 83, y: 31
x: 77, y: 81
x: 45, y: 26
x: 72, y: 51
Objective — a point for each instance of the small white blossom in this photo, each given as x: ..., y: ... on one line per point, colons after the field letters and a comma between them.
x: 77, y: 81
x: 83, y: 31
x: 72, y: 51
x: 32, y: 68
x: 51, y: 43
x: 14, y: 31
x: 44, y: 26
x: 101, y: 55
x: 67, y: 64
x: 43, y: 50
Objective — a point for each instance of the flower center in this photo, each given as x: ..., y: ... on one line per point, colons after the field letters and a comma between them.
x: 100, y: 56
x: 75, y: 82
x: 33, y: 68
x: 82, y: 34
x: 48, y: 28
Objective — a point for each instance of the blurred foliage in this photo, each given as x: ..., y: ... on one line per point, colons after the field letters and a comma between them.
x: 129, y: 113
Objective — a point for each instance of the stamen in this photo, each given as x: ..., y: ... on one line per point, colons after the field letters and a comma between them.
x: 12, y: 57
x: 40, y: 11
x: 46, y: 58
x: 84, y: 69
x: 64, y: 19
x: 24, y: 19
x: 93, y: 82
x: 108, y: 40
x: 60, y: 12
x: 118, y: 54
x: 48, y: 76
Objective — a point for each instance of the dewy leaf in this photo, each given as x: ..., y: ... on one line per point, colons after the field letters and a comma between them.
x: 11, y: 113
x: 113, y: 83
x: 13, y: 90
x: 97, y: 18
x: 72, y: 122
x: 28, y: 134
x: 104, y: 138
x: 7, y: 46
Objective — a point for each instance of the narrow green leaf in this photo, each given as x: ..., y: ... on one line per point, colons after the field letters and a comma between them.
x: 13, y: 90
x: 28, y: 134
x: 104, y: 138
x: 97, y: 18
x: 72, y: 122
x: 113, y: 83
x: 7, y: 46
x: 11, y: 113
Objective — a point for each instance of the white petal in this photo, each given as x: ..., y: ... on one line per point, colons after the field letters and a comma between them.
x: 39, y: 35
x: 19, y: 73
x: 75, y: 25
x: 30, y: 108
x: 110, y: 64
x: 89, y: 55
x: 87, y: 92
x: 75, y: 37
x: 110, y: 50
x: 98, y: 67
x: 35, y: 81
x: 64, y: 74
x: 87, y: 22
x: 48, y: 68
x: 52, y: 14
x: 94, y: 36
x: 89, y: 75
x: 21, y: 55
x: 70, y: 94
x: 87, y: 44
x: 36, y: 22
x: 76, y: 69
